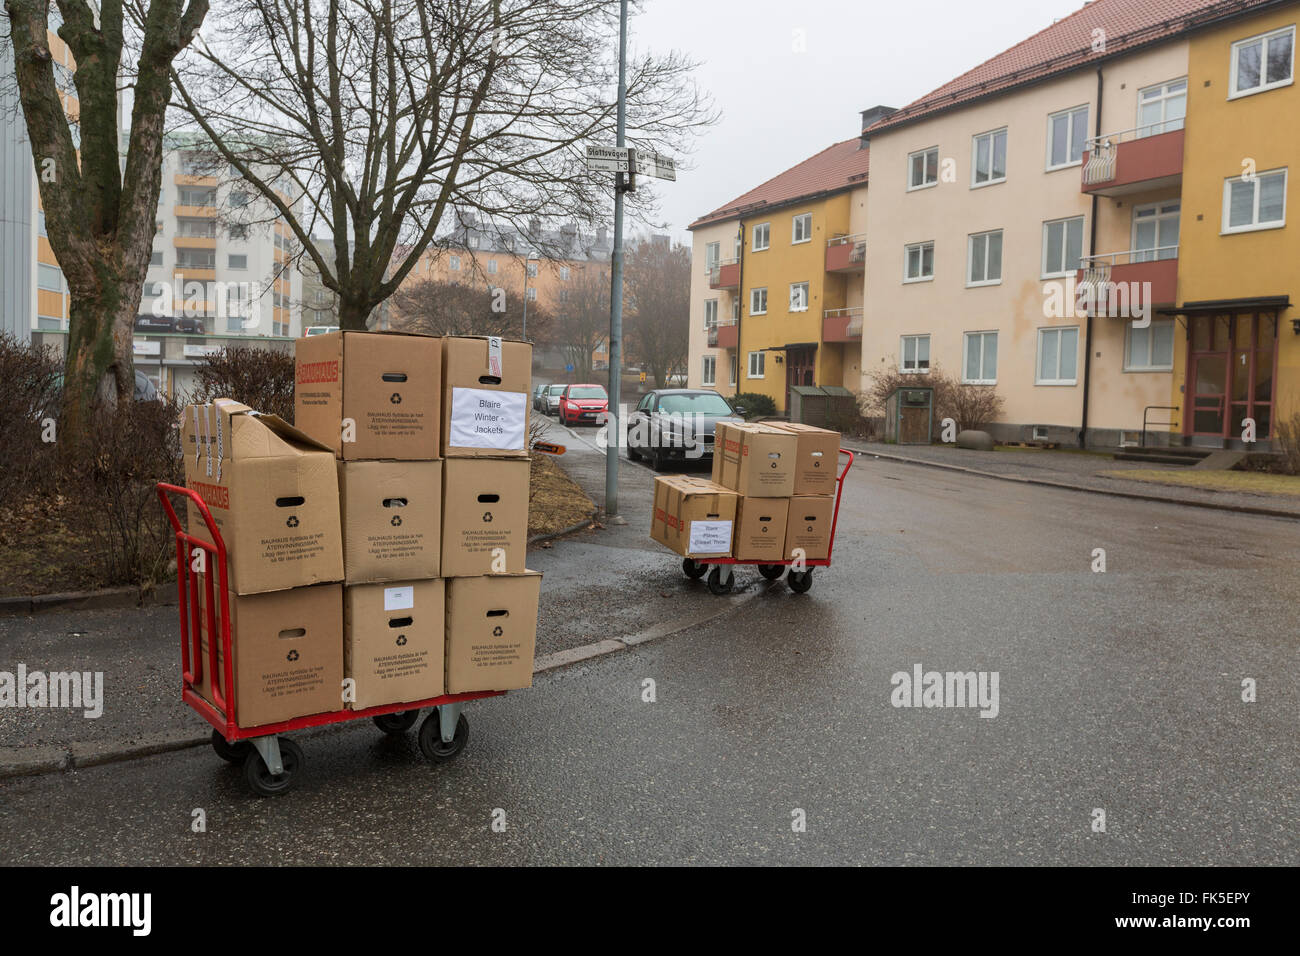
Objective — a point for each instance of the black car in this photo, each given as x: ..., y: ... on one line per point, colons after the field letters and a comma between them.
x: 676, y: 424
x: 155, y: 323
x: 189, y: 323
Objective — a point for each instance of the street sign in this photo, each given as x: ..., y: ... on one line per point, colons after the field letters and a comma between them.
x: 607, y: 159
x: 615, y: 159
x: 568, y: 368
x: 656, y: 165
x: 643, y: 376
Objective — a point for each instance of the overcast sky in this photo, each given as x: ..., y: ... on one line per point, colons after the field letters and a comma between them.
x: 781, y: 106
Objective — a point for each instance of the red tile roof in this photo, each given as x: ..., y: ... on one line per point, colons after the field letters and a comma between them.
x: 1067, y: 45
x: 834, y: 169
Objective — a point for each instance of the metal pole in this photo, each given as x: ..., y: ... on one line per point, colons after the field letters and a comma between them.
x: 524, y: 335
x: 613, y: 421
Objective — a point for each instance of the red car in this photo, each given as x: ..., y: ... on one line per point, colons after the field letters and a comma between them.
x: 583, y: 403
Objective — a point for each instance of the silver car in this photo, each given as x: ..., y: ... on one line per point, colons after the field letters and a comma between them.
x: 551, y: 399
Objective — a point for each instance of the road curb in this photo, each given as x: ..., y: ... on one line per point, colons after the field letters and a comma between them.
x: 1070, y: 486
x: 108, y: 598
x: 552, y: 535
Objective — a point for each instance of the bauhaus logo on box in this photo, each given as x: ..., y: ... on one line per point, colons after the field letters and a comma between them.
x: 313, y: 373
x: 76, y: 909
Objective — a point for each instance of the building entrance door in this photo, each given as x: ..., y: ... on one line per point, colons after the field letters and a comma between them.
x: 1231, y: 366
x: 799, y: 369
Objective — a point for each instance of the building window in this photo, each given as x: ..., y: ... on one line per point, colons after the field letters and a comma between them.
x: 734, y: 363
x: 40, y: 223
x: 914, y: 353
x: 156, y: 258
x: 918, y: 262
x: 989, y: 158
x: 923, y: 168
x: 564, y: 295
x: 798, y: 296
x: 196, y: 259
x: 984, y: 258
x: 1155, y: 231
x: 1263, y: 62
x: 762, y: 236
x: 1162, y: 108
x: 453, y: 263
x: 532, y: 270
x: 1067, y: 135
x: 473, y: 242
x: 49, y: 278
x: 1062, y: 247
x: 735, y: 308
x: 197, y: 228
x: 801, y: 229
x: 1058, y: 356
x: 980, y: 363
x: 710, y: 313
x: 758, y: 301
x: 239, y: 232
x: 532, y: 294
x: 712, y: 253
x: 1150, y: 349
x: 1255, y: 203
x: 197, y: 197
x: 757, y: 364
x: 239, y: 199
x: 710, y: 370
x: 564, y: 273
x: 492, y: 267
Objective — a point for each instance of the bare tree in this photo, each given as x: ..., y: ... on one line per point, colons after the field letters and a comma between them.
x: 99, y: 212
x: 581, y: 320
x: 658, y: 305
x: 438, y: 307
x: 385, y: 116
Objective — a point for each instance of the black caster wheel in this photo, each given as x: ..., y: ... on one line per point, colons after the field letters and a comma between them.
x: 398, y: 723
x: 800, y: 581
x: 771, y: 571
x: 715, y: 581
x: 693, y: 569
x: 431, y: 742
x: 231, y: 753
x: 265, y: 784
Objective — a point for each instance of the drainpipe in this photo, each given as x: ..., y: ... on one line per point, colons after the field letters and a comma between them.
x: 740, y: 295
x: 1092, y: 250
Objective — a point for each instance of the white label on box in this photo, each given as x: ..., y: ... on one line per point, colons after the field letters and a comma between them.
x: 494, y: 355
x: 399, y: 599
x: 710, y: 537
x: 482, y: 418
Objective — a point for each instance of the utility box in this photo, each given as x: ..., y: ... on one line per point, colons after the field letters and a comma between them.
x: 841, y: 408
x: 807, y: 405
x: 909, y: 416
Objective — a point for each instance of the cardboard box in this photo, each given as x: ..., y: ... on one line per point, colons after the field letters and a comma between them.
x: 693, y: 516
x: 369, y: 395
x: 487, y: 384
x: 753, y: 459
x: 393, y: 637
x: 484, y: 508
x: 809, y: 526
x: 760, y: 529
x: 272, y: 491
x: 287, y: 654
x: 491, y: 631
x: 392, y: 520
x: 817, y: 457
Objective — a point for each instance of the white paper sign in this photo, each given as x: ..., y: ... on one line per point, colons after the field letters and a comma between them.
x: 399, y: 599
x: 710, y: 537
x: 481, y: 418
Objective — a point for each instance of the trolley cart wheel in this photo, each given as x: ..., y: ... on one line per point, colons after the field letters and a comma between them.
x: 693, y: 569
x: 718, y: 583
x: 799, y: 581
x: 231, y: 753
x: 771, y: 571
x: 397, y: 724
x: 438, y: 742
x: 271, y: 751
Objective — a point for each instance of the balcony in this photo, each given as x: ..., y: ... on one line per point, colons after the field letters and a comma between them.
x: 1149, y: 157
x: 724, y: 335
x: 1126, y: 284
x: 846, y: 254
x: 842, y: 325
x: 193, y: 211
x: 195, y: 273
x: 725, y: 275
x: 195, y: 242
x: 194, y: 179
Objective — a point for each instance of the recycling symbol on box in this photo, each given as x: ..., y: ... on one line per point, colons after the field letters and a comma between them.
x: 496, y: 631
x: 401, y: 640
x: 292, y: 522
x: 487, y: 516
x: 291, y: 656
x: 396, y: 399
x: 397, y: 521
x: 763, y: 529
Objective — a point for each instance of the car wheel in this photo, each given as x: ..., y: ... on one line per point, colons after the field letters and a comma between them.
x: 633, y: 454
x: 658, y: 459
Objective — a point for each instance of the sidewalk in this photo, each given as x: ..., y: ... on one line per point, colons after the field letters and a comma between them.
x: 604, y: 589
x: 1080, y: 471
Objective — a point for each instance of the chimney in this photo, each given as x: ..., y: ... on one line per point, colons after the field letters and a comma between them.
x: 869, y: 117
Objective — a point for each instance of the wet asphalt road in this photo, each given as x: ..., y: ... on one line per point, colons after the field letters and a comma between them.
x: 1119, y: 691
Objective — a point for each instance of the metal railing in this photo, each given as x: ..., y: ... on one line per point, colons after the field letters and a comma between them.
x: 715, y: 271
x: 1104, y: 150
x: 711, y: 330
x: 859, y: 242
x: 855, y: 318
x: 1159, y: 408
x: 1097, y: 268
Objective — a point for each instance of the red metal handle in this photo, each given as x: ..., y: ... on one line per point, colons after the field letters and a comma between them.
x: 839, y: 488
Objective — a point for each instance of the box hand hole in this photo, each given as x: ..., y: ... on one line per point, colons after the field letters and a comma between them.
x: 292, y: 501
x: 400, y: 621
x: 290, y: 633
x: 394, y: 502
x: 393, y: 376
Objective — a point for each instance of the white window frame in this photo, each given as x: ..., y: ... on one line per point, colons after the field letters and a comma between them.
x: 925, y: 183
x: 1255, y: 225
x: 564, y: 273
x: 1069, y: 132
x: 531, y: 295
x: 752, y: 294
x: 1163, y: 99
x: 970, y: 257
x: 231, y: 256
x: 709, y: 370
x: 991, y: 136
x: 530, y: 268
x: 710, y: 314
x: 712, y: 256
x: 907, y: 255
x: 762, y: 365
x: 1263, y: 40
x: 916, y: 357
x: 967, y: 338
x: 40, y: 223
x: 492, y: 267
x: 1083, y: 252
x: 766, y: 229
x: 1161, y: 213
x: 41, y: 267
x: 453, y: 263
x: 1058, y: 331
x: 1149, y: 332
x: 805, y: 218
x: 735, y: 367
x: 799, y: 291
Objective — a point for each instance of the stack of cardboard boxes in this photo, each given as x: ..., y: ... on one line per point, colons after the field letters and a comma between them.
x: 772, y: 494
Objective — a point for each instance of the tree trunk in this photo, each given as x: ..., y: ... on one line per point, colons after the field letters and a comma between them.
x: 353, y: 315
x: 99, y: 365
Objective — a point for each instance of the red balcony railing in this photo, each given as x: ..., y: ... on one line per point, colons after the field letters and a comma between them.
x: 842, y: 325
x: 725, y: 275
x: 1148, y: 157
x: 846, y: 254
x: 724, y: 335
x: 1126, y: 284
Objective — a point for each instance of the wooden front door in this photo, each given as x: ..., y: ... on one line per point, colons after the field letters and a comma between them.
x: 1231, y: 367
x: 799, y: 369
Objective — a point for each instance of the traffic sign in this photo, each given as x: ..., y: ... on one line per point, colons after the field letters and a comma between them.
x: 569, y: 367
x: 607, y: 159
x: 656, y: 165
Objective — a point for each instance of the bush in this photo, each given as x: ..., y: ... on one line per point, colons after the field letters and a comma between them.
x: 755, y: 404
x: 260, y: 378
x: 29, y: 398
x: 1288, y: 442
x: 970, y: 406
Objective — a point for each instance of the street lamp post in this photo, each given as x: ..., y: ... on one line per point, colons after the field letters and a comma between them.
x: 531, y: 257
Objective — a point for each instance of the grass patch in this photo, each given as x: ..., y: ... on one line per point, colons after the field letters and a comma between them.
x: 1247, y: 482
x: 555, y: 501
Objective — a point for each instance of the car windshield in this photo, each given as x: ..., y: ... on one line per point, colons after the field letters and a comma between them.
x: 587, y: 391
x: 555, y: 390
x: 694, y: 403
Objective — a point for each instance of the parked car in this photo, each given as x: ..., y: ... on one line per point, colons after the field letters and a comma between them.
x: 320, y: 330
x: 677, y: 423
x: 551, y: 398
x: 155, y: 323
x: 539, y: 393
x: 189, y: 323
x: 583, y: 403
